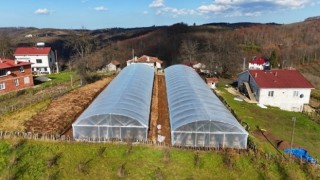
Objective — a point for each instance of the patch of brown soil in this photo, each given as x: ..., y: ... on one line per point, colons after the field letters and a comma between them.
x: 63, y: 111
x: 271, y: 138
x: 159, y: 111
x: 163, y: 111
x: 154, y: 112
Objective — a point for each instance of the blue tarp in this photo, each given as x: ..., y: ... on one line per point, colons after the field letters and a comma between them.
x: 301, y: 153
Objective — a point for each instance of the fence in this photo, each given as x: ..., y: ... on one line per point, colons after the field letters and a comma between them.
x: 50, y: 95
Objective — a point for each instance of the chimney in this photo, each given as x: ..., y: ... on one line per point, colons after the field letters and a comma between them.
x: 276, y: 74
x: 15, y: 62
x: 148, y: 58
x: 256, y: 75
x: 0, y: 60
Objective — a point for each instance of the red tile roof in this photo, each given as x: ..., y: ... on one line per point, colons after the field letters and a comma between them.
x: 259, y: 61
x: 151, y: 59
x: 115, y: 62
x: 9, y: 63
x: 280, y: 79
x: 32, y: 51
x: 215, y: 80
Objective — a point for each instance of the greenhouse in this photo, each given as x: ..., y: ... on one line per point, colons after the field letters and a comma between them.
x: 197, y: 116
x: 121, y: 111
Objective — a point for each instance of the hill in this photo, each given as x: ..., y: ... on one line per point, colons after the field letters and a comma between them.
x: 222, y: 46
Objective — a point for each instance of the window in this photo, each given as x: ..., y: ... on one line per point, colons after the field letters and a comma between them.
x: 26, y: 80
x: 270, y: 93
x: 50, y: 59
x: 21, y: 69
x: 39, y: 61
x: 3, y: 72
x: 2, y: 85
x: 295, y: 93
x: 45, y: 69
x: 16, y: 82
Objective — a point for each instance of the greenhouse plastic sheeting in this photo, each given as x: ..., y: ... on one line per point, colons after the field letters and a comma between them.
x: 121, y: 111
x: 197, y: 116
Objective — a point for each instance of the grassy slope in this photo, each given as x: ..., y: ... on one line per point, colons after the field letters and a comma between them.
x: 279, y: 122
x: 14, y: 121
x: 30, y: 160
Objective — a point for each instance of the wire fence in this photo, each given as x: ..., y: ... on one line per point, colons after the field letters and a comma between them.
x: 49, y: 95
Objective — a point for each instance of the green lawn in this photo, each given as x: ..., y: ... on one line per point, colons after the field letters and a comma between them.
x: 28, y: 159
x: 279, y: 122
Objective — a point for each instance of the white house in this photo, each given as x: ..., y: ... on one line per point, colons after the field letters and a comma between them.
x: 42, y: 58
x: 211, y: 82
x: 113, y: 66
x: 286, y: 89
x: 148, y: 60
x: 257, y: 63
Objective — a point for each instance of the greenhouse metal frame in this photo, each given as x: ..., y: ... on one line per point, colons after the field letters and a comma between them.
x: 197, y: 116
x: 121, y: 110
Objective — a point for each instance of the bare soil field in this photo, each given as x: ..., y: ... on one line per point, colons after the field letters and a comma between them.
x: 61, y: 112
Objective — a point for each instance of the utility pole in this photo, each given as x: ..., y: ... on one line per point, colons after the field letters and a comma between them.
x: 294, y: 124
x: 244, y: 64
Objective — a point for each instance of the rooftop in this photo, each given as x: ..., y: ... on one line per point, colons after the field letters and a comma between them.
x: 280, y: 79
x: 9, y: 63
x: 32, y: 51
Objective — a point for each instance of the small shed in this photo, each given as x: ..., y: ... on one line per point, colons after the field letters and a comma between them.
x: 113, y: 65
x: 211, y: 82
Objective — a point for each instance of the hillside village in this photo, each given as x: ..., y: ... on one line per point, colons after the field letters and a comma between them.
x: 131, y: 87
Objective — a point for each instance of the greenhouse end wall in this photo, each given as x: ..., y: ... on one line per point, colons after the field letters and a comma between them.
x: 121, y: 110
x: 197, y: 116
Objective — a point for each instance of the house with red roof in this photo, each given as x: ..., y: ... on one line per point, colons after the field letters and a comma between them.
x: 114, y: 65
x: 258, y: 63
x: 286, y: 89
x: 153, y: 62
x: 42, y: 58
x: 211, y: 82
x: 14, y: 75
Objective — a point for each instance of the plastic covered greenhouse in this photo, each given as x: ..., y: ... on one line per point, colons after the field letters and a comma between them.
x: 121, y: 111
x: 197, y: 116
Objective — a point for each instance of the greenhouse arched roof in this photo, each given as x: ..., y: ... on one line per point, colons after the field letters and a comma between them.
x: 125, y: 102
x: 194, y: 107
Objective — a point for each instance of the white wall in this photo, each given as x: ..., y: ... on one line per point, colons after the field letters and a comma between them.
x: 158, y: 65
x: 255, y: 66
x: 40, y: 66
x: 111, y: 67
x: 284, y: 99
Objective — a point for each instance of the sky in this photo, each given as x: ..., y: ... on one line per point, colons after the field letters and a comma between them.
x: 99, y: 14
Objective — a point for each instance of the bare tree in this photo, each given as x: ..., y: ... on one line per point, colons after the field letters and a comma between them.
x: 82, y: 45
x: 5, y: 46
x: 189, y: 50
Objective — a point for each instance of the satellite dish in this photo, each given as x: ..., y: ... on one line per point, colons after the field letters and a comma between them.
x: 8, y: 72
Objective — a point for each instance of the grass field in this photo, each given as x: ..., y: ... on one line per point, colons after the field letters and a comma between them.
x: 28, y: 159
x: 14, y: 121
x: 278, y: 122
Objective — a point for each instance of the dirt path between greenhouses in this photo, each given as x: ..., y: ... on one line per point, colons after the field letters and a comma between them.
x: 161, y: 126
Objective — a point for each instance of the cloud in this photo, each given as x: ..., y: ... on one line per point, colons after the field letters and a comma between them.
x: 145, y: 12
x: 100, y: 8
x: 212, y: 8
x: 231, y: 8
x: 43, y: 11
x: 174, y: 12
x: 157, y: 3
x: 162, y: 9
